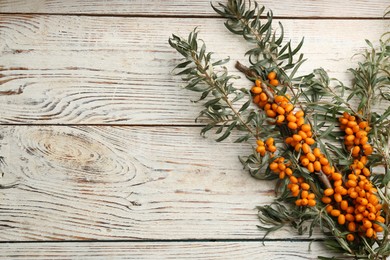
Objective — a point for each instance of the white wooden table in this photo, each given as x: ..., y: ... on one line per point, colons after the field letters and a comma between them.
x: 100, y: 140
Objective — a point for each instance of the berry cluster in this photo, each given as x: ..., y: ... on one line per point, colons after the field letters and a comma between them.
x: 351, y: 199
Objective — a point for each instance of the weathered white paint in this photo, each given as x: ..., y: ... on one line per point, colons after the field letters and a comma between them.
x: 115, y: 70
x: 288, y: 8
x: 271, y: 250
x: 153, y: 182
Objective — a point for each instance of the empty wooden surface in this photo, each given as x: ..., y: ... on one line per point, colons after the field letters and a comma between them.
x: 102, y: 158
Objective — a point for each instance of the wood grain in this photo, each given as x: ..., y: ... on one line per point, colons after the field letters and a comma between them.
x: 76, y: 183
x: 272, y: 250
x: 289, y: 8
x: 116, y: 70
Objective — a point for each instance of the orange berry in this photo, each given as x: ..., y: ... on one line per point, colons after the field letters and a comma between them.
x: 354, y: 195
x: 368, y: 151
x: 305, y: 186
x: 363, y: 140
x: 271, y: 75
x: 317, y: 166
x: 288, y: 171
x: 337, y: 184
x: 377, y: 228
x: 263, y: 97
x: 341, y: 219
x: 363, y: 124
x: 351, y: 124
x: 336, y: 176
x: 366, y: 172
x: 364, y: 202
x: 273, y: 166
x: 343, y: 120
x: 295, y: 193
x: 260, y: 149
x: 272, y: 148
x: 326, y: 200
x: 335, y: 212
x: 351, y: 183
x: 289, y: 107
x: 292, y: 125
x: 280, y: 111
x: 297, y: 137
x: 300, y: 121
x: 293, y: 179
x: 298, y: 202
x: 348, y: 131
x: 291, y: 118
x: 305, y: 162
x: 302, y: 134
x: 310, y: 156
x: 306, y: 148
x: 373, y: 200
x: 260, y: 142
x: 350, y: 237
x: 304, y: 202
x: 317, y: 152
x: 256, y: 90
x: 328, y: 192
x: 309, y: 141
x: 256, y: 99
x: 369, y: 232
x: 297, y: 147
x: 359, y: 217
x: 337, y: 197
x: 350, y: 210
x: 262, y: 104
x: 274, y: 82
x: 306, y: 127
x: 361, y: 133
x: 288, y: 140
x: 311, y: 196
x: 304, y: 193
x: 270, y: 141
x: 355, y: 129
x: 311, y: 202
x: 294, y: 188
x: 380, y: 219
x: 329, y: 208
x: 299, y: 113
x: 310, y: 167
x: 355, y: 150
x: 258, y: 83
x: 282, y: 166
x: 279, y: 99
x: 352, y: 226
x: 271, y: 113
x: 349, y: 217
x: 349, y: 138
x: 344, y: 205
x: 371, y: 216
x: 346, y: 115
x: 367, y: 224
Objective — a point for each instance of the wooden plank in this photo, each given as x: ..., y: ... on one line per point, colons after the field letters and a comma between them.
x: 76, y: 183
x: 293, y: 250
x: 289, y: 8
x: 116, y: 70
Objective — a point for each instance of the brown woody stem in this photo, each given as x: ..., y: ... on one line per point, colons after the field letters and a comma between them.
x: 252, y: 74
x: 324, y: 179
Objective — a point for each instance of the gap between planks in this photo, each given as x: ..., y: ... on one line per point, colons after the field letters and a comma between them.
x: 193, y: 16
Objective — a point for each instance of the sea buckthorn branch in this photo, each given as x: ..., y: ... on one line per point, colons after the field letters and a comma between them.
x: 267, y: 66
x: 328, y: 186
x: 220, y: 110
